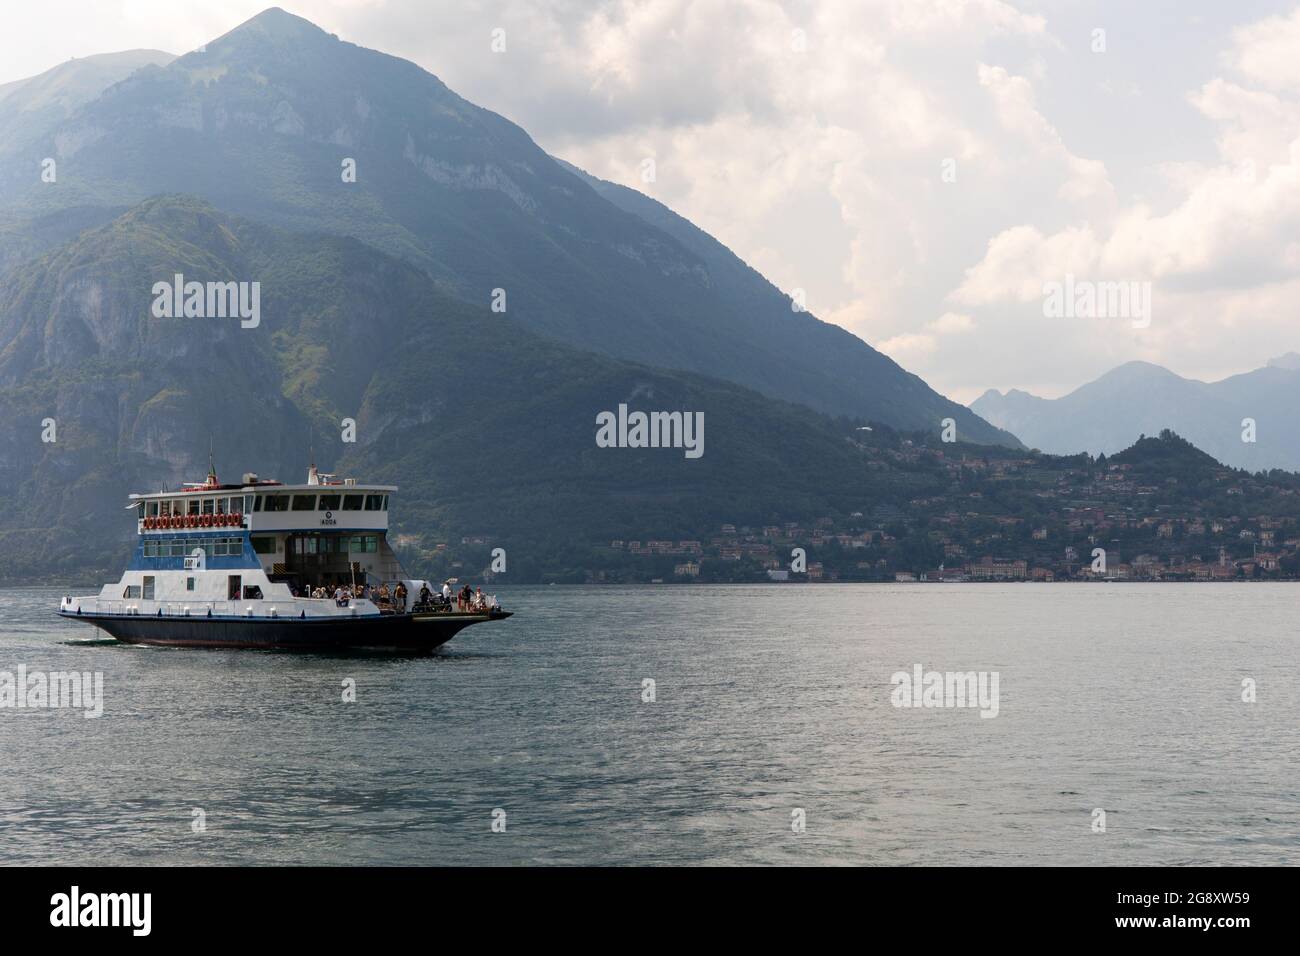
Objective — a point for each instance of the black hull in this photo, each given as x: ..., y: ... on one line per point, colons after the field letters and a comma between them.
x: 405, y: 633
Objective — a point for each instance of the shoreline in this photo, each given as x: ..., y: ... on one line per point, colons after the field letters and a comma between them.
x: 94, y: 589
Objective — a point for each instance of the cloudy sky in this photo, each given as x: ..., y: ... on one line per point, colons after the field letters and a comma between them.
x: 919, y: 168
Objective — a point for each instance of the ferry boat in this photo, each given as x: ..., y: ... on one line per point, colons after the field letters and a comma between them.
x: 228, y: 565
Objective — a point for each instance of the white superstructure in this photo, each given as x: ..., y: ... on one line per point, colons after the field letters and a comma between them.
x: 243, y: 550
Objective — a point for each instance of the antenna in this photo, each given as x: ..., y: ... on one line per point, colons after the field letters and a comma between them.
x: 212, y: 468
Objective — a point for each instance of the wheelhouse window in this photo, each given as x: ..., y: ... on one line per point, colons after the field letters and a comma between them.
x: 352, y: 502
x: 304, y: 502
x: 252, y: 592
x: 277, y: 502
x: 257, y: 503
x: 374, y: 502
x: 249, y: 501
x: 329, y: 502
x: 132, y: 592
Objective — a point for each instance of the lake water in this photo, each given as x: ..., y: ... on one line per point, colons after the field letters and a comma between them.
x: 768, y: 700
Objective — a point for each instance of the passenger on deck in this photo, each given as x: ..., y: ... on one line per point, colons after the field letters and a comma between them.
x: 399, y: 596
x: 425, y: 594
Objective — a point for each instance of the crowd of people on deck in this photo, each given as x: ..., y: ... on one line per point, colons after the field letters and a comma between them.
x: 382, y: 596
x: 467, y: 600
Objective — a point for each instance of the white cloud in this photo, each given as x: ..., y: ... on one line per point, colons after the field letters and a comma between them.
x: 911, y: 346
x: 1019, y: 260
x: 1083, y: 180
x: 1226, y: 248
x: 1266, y: 52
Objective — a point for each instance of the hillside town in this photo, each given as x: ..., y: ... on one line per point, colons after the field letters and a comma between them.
x: 1162, y: 511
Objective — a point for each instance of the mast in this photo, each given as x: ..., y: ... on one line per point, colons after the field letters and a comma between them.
x: 212, y: 468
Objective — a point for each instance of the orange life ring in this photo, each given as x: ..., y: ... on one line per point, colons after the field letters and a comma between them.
x: 191, y: 521
x: 238, y: 517
x: 206, y: 521
x: 176, y: 521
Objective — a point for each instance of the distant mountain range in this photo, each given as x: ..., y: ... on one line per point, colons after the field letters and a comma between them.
x: 30, y: 108
x: 1138, y: 398
x: 261, y: 122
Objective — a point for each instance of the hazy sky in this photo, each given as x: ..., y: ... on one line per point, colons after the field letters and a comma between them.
x: 812, y: 138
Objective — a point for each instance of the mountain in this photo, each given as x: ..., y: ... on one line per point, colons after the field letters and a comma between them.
x: 31, y: 107
x: 486, y: 426
x: 1289, y: 361
x: 262, y: 122
x: 1138, y: 398
x: 1165, y: 456
x: 490, y: 431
